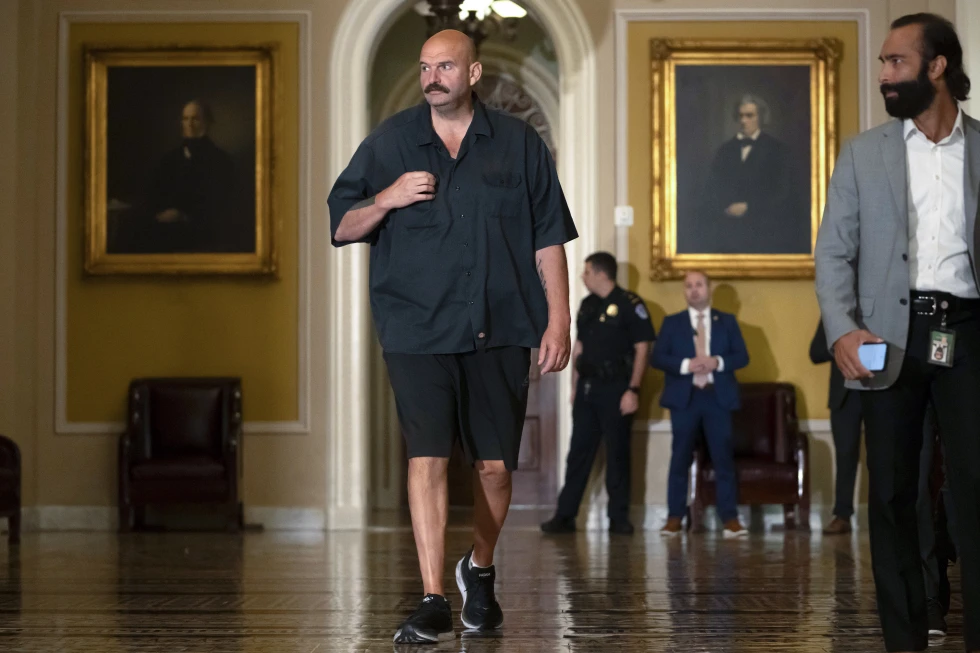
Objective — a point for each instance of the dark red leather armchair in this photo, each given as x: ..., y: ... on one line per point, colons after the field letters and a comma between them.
x: 182, y: 446
x: 10, y: 482
x: 772, y: 461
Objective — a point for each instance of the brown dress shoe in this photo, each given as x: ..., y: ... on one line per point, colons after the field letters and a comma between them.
x: 838, y: 526
x: 733, y: 529
x: 672, y: 528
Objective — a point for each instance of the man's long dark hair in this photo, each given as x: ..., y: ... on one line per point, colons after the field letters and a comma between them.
x: 939, y: 39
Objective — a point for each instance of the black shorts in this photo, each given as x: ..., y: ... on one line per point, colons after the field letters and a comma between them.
x: 479, y: 397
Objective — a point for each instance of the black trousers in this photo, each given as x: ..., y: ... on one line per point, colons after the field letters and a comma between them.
x: 845, y: 424
x: 937, y: 530
x: 595, y: 414
x: 893, y: 419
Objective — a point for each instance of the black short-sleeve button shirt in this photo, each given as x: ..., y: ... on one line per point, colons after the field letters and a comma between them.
x: 457, y: 273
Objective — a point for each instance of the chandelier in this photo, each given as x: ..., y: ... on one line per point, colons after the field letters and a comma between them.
x: 478, y: 19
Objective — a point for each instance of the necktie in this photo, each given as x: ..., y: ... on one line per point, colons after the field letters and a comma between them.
x: 700, y: 349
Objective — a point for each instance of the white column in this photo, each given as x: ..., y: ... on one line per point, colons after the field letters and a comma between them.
x: 968, y: 28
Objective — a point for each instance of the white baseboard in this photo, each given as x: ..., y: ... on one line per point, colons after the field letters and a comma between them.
x: 106, y: 518
x: 652, y: 517
x: 69, y: 518
x: 274, y: 518
x: 346, y: 519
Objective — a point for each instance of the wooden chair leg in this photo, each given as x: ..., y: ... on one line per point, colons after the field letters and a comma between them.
x: 13, y: 525
x: 235, y: 520
x: 696, y: 521
x: 804, y: 512
x: 125, y: 518
x: 789, y: 516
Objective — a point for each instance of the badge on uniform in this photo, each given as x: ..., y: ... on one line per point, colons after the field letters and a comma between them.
x: 941, y: 342
x: 641, y: 311
x: 612, y: 310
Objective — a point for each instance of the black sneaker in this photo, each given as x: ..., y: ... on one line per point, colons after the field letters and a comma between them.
x: 480, y: 608
x: 559, y: 525
x: 937, y: 621
x: 431, y: 622
x: 621, y: 527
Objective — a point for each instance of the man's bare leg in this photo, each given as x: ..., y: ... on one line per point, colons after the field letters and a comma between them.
x: 428, y: 499
x: 491, y: 498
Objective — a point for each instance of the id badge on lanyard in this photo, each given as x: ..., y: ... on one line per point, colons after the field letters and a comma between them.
x: 942, y: 342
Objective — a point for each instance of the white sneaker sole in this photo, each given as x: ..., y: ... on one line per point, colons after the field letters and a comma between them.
x: 462, y: 590
x: 670, y: 534
x: 441, y: 637
x: 734, y: 535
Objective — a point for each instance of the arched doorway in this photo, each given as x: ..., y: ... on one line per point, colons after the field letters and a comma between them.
x: 351, y: 398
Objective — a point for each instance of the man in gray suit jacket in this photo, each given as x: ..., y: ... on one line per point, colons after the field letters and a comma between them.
x: 895, y: 263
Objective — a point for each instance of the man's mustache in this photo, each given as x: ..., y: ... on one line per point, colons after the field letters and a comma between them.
x: 435, y: 86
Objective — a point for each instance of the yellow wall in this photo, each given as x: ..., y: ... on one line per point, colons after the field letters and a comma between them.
x: 120, y: 328
x: 188, y: 323
x: 778, y: 318
x: 293, y: 470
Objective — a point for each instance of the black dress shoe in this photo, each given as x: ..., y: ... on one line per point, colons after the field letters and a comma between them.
x: 559, y: 525
x: 621, y: 528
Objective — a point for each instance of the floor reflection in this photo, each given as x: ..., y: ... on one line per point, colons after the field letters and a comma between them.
x: 347, y: 591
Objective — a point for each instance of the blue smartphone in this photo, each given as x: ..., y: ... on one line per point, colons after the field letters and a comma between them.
x: 872, y: 355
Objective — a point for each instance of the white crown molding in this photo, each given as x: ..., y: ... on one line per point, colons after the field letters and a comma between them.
x: 302, y: 19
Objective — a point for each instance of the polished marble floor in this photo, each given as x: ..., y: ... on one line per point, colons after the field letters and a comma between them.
x: 305, y: 592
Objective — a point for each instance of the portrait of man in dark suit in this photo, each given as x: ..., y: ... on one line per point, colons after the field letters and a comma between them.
x: 181, y: 170
x: 743, y: 160
x: 748, y: 194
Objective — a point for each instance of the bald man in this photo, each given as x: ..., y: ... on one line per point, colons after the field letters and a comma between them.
x: 466, y: 221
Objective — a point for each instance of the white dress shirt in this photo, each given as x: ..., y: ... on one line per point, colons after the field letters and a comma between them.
x: 747, y: 146
x: 686, y: 363
x: 939, y: 256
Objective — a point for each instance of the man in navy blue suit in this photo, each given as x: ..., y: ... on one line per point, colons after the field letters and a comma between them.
x: 699, y: 350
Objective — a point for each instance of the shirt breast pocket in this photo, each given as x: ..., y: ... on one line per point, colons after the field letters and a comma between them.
x: 414, y: 216
x: 504, y: 193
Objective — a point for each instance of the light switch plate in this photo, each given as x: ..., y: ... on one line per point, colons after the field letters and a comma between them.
x: 623, y: 216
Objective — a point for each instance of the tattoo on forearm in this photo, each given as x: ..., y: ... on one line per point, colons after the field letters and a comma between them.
x: 544, y: 283
x: 363, y: 204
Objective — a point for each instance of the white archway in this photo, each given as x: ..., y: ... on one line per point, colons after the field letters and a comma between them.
x: 349, y: 392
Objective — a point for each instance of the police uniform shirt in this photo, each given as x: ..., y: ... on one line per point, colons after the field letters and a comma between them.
x: 458, y: 272
x: 610, y: 327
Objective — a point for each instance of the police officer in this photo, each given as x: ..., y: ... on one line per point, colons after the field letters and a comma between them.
x: 614, y: 336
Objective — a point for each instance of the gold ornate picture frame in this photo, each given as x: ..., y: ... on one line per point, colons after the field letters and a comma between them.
x: 179, y: 152
x: 744, y: 141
